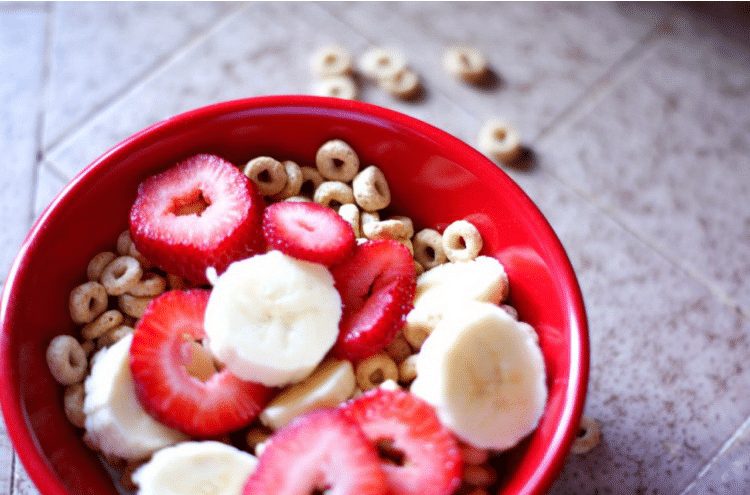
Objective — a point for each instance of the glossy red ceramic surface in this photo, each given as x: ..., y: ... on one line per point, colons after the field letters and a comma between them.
x: 434, y: 178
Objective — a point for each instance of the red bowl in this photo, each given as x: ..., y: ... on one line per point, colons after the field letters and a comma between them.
x: 434, y: 178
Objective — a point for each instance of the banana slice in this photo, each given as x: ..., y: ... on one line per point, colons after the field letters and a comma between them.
x: 207, y: 467
x: 115, y: 420
x: 330, y: 384
x: 481, y: 279
x: 438, y: 289
x: 272, y: 318
x: 484, y: 374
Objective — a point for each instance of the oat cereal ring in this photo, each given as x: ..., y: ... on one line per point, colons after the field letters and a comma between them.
x: 371, y: 191
x: 88, y: 347
x: 420, y: 323
x: 428, y: 248
x: 87, y: 301
x: 481, y: 475
x: 66, y: 360
x: 267, y: 173
x: 589, y: 436
x: 374, y: 370
x: 150, y: 284
x: 386, y: 229
x: 461, y: 241
x: 113, y: 336
x: 500, y: 141
x: 176, y: 282
x: 403, y: 84
x: 336, y: 160
x: 121, y: 274
x: 350, y: 213
x: 293, y: 181
x: 398, y: 348
x: 418, y: 268
x: 255, y: 436
x: 474, y: 455
x: 133, y: 305
x: 465, y: 62
x: 368, y: 216
x: 73, y: 404
x: 333, y: 194
x: 299, y: 199
x: 98, y: 263
x: 409, y: 245
x: 124, y: 242
x: 415, y: 333
x: 134, y: 253
x: 408, y: 225
x: 342, y: 87
x: 311, y: 179
x: 332, y: 60
x: 380, y: 63
x: 102, y: 324
x: 407, y: 370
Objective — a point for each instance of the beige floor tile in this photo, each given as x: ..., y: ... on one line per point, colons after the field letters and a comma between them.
x: 668, y: 362
x: 100, y: 49
x: 667, y: 150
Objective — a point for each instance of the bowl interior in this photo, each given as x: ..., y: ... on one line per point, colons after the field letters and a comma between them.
x: 434, y: 179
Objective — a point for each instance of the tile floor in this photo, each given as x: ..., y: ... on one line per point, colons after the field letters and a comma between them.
x: 638, y: 117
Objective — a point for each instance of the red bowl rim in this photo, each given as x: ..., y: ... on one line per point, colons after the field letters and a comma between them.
x: 38, y: 466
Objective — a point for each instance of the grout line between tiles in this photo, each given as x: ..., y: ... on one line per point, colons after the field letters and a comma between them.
x: 12, y: 478
x: 724, y: 448
x: 687, y: 268
x: 618, y: 71
x: 42, y: 100
x: 140, y: 80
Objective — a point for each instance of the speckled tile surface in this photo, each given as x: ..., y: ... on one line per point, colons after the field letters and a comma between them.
x: 634, y: 151
x: 637, y: 116
x: 123, y: 41
x: 668, y: 367
x: 729, y: 474
x: 22, y: 37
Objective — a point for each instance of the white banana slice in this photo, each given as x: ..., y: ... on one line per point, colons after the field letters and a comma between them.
x: 272, y: 318
x: 330, y: 384
x: 438, y: 289
x: 485, y: 375
x: 481, y: 279
x: 115, y: 420
x: 207, y: 467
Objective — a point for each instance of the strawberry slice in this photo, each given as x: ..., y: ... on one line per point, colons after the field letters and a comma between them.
x: 203, y: 212
x: 308, y: 231
x: 320, y: 452
x: 377, y: 284
x: 420, y: 455
x: 176, y: 379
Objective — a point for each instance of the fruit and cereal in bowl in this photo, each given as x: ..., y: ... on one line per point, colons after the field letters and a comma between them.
x: 292, y: 295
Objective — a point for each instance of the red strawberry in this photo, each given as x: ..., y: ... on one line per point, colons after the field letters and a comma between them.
x: 176, y: 379
x: 308, y: 231
x: 421, y: 456
x: 377, y: 285
x: 203, y: 212
x: 320, y: 452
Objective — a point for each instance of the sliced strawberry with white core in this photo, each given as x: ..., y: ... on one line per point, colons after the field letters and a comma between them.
x: 320, y: 452
x: 308, y: 231
x: 203, y: 212
x: 176, y: 379
x: 420, y: 455
x: 377, y: 284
